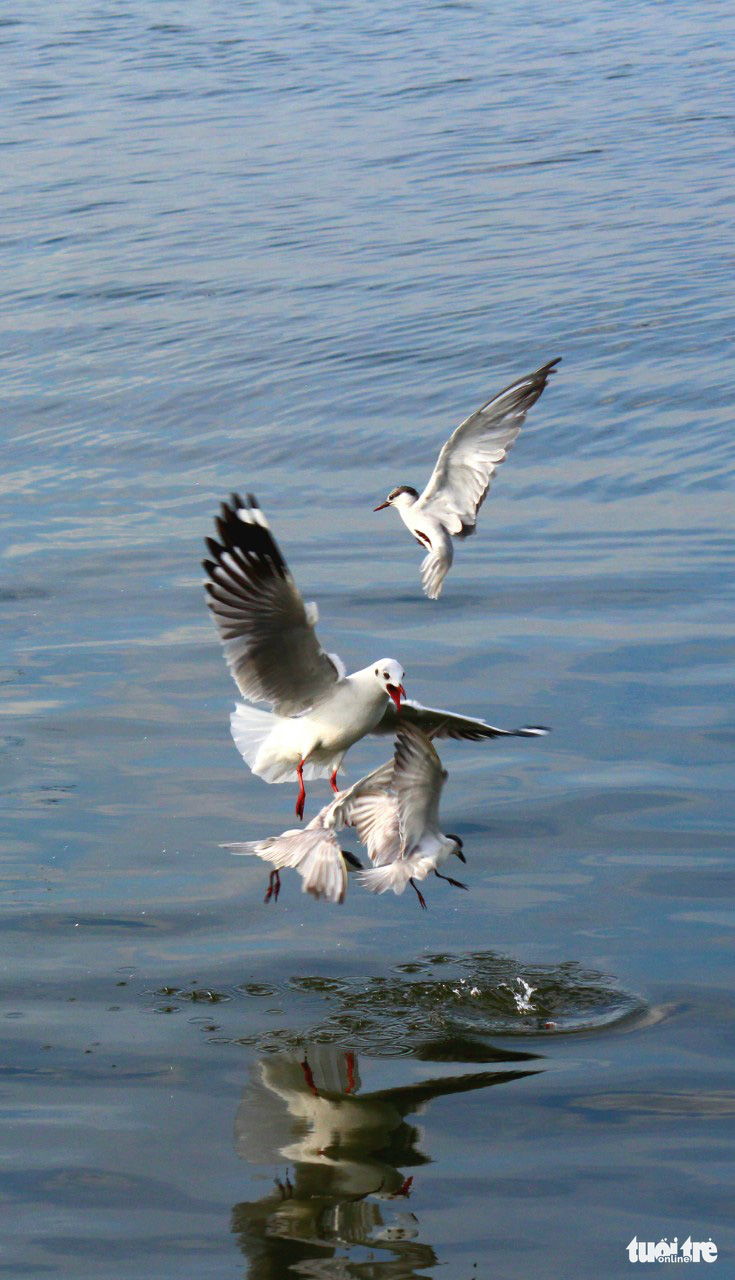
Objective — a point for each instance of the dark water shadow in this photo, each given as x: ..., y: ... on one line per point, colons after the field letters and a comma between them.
x: 344, y: 1155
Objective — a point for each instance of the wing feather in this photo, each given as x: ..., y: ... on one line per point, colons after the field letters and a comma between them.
x: 418, y: 778
x: 447, y: 724
x: 461, y: 478
x: 375, y: 819
x: 313, y: 852
x: 267, y: 631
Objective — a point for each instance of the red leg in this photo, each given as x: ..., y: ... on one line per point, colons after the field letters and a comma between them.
x: 274, y: 887
x: 333, y: 781
x: 350, y: 1061
x: 302, y: 790
x: 419, y: 894
x: 309, y: 1078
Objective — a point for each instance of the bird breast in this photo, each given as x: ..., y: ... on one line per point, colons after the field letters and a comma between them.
x: 351, y: 711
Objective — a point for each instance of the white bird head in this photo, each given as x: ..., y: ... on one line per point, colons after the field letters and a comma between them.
x: 390, y: 676
x: 403, y: 496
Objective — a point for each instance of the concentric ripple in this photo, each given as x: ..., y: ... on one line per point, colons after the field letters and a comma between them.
x: 438, y: 1007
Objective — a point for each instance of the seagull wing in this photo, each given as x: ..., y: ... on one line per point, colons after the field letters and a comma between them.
x: 418, y: 778
x: 313, y: 852
x: 446, y: 724
x: 267, y: 631
x: 467, y: 463
x: 342, y: 808
x: 375, y: 819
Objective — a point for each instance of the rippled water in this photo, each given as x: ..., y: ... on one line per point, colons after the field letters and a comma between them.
x: 285, y: 248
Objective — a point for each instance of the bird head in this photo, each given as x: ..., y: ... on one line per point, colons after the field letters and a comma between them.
x: 459, y: 846
x: 403, y: 496
x: 390, y: 675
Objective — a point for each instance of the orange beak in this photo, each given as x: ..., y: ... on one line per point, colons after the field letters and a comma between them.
x: 380, y: 508
x: 396, y: 694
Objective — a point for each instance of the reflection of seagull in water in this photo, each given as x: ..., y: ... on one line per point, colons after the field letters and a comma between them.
x: 318, y: 711
x: 460, y: 480
x: 346, y: 1149
x: 395, y: 813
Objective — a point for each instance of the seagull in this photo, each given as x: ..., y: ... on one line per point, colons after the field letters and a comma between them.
x: 395, y: 813
x: 317, y: 711
x: 271, y: 648
x: 400, y: 825
x: 460, y: 480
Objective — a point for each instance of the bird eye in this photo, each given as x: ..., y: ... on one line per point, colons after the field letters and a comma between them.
x: 386, y: 676
x: 376, y: 671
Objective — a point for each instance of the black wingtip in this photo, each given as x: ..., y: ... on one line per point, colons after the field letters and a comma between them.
x: 249, y: 539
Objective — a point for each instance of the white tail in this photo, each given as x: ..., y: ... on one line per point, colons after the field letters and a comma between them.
x: 435, y: 567
x: 395, y: 876
x: 258, y: 737
x: 313, y: 852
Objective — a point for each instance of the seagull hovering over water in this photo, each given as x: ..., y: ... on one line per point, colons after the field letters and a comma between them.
x: 272, y: 650
x: 399, y: 825
x: 318, y: 711
x: 449, y: 504
x: 395, y: 813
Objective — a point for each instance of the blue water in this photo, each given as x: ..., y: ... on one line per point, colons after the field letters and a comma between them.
x: 286, y: 248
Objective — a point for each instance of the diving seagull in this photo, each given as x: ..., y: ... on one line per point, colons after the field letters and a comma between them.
x: 400, y: 825
x: 317, y: 711
x: 395, y: 813
x: 449, y: 504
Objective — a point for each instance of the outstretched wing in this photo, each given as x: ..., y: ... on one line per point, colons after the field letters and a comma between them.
x: 446, y: 724
x: 418, y: 778
x: 267, y: 631
x: 467, y: 463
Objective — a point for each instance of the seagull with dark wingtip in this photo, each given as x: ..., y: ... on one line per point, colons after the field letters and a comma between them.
x: 449, y: 504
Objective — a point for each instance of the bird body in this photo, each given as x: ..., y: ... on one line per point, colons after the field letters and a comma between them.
x: 274, y: 745
x: 317, y: 710
x: 459, y: 483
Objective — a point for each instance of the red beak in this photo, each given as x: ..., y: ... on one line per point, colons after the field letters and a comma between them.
x: 380, y: 508
x: 396, y: 694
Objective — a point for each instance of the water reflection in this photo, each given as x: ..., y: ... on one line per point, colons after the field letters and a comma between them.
x: 344, y: 1159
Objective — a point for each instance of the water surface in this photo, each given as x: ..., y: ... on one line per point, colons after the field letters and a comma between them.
x: 285, y: 248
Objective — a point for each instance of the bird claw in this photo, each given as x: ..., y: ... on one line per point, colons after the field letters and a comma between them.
x: 274, y: 887
x: 458, y: 884
x: 419, y: 894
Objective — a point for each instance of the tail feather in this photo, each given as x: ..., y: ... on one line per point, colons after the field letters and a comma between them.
x: 434, y: 569
x: 395, y: 875
x: 255, y: 732
x: 313, y: 852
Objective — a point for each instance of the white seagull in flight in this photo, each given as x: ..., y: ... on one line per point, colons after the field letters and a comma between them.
x: 317, y: 710
x: 460, y: 480
x: 395, y: 813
